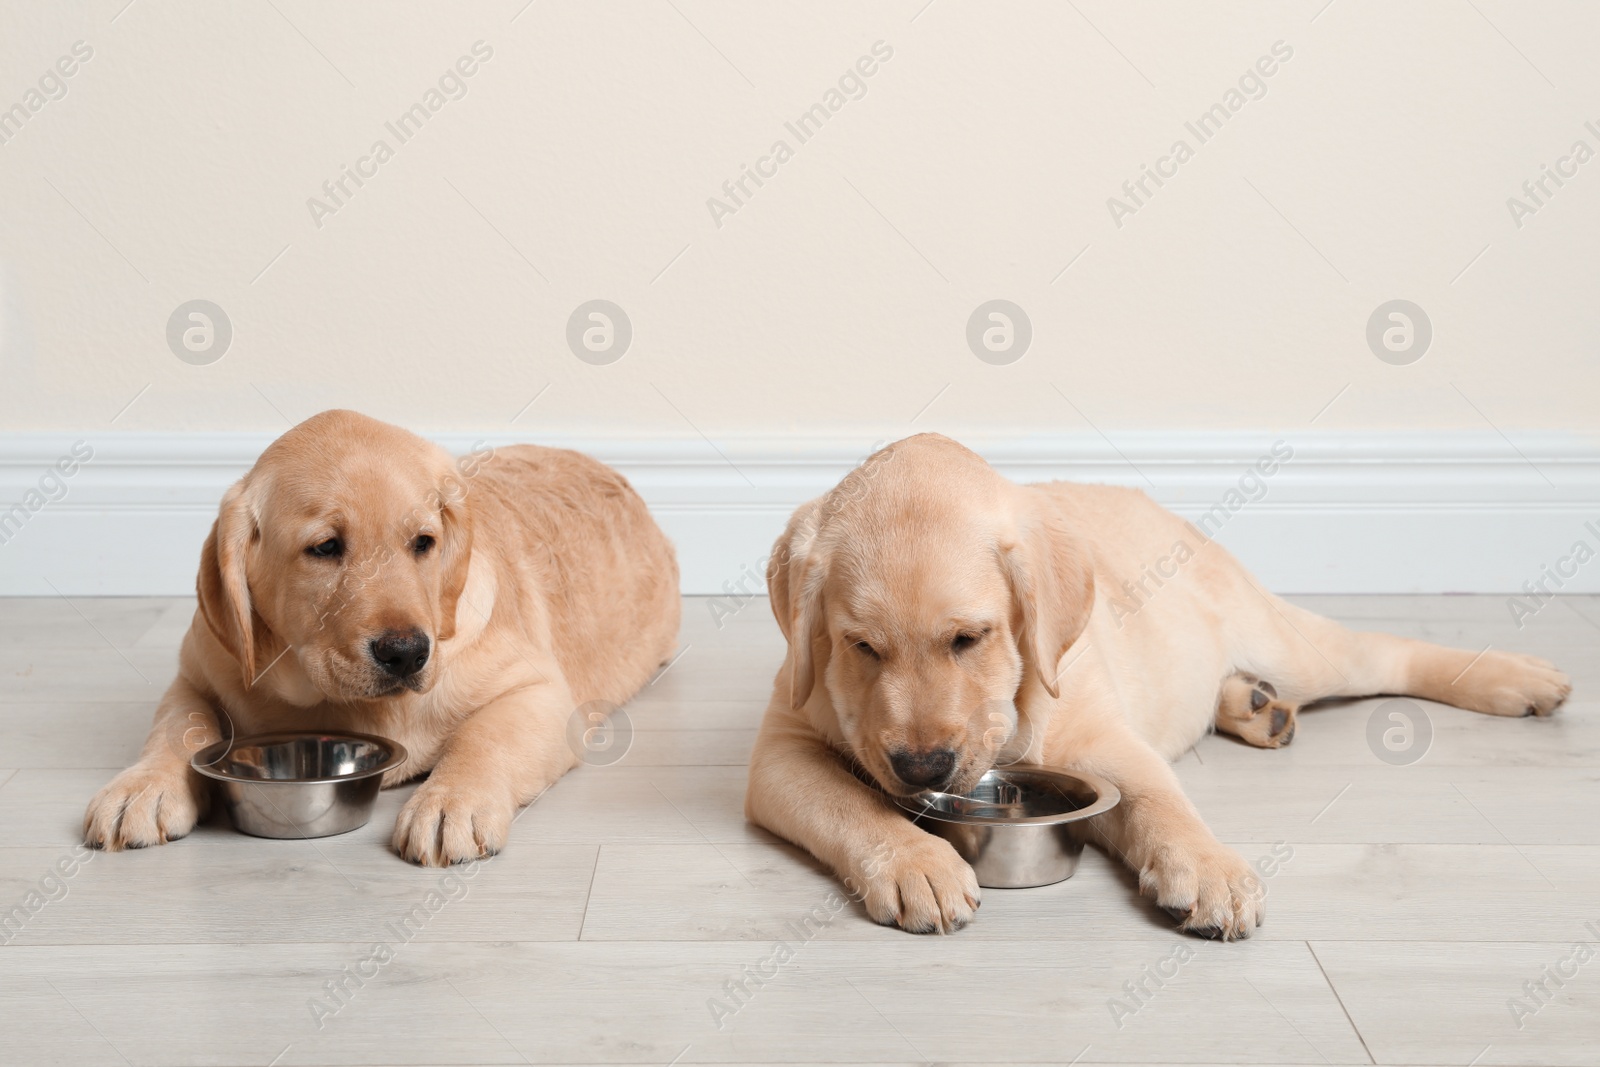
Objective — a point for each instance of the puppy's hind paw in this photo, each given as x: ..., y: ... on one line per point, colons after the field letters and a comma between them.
x: 1510, y: 684
x: 1249, y: 709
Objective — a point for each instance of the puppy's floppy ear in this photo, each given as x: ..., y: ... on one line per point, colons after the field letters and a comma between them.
x: 223, y: 585
x: 455, y: 553
x: 794, y: 583
x: 1052, y: 588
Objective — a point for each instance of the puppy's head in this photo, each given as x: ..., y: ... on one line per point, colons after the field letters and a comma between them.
x: 345, y: 547
x: 922, y: 592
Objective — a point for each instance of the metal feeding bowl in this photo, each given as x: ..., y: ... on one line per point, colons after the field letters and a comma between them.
x: 296, y: 785
x: 1016, y: 826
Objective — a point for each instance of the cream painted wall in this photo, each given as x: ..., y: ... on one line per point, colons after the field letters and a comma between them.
x: 578, y: 165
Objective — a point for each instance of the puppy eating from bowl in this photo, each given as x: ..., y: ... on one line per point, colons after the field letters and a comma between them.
x: 941, y: 620
x: 360, y: 580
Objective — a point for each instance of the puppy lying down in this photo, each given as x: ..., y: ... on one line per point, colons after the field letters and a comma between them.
x: 359, y: 579
x: 941, y: 618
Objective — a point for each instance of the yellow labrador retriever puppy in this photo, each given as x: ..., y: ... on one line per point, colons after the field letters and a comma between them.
x: 941, y: 618
x: 359, y: 579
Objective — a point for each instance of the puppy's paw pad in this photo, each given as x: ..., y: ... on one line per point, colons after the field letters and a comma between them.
x: 1249, y: 709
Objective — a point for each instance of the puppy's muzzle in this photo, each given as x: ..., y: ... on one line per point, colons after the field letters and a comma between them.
x: 401, y: 653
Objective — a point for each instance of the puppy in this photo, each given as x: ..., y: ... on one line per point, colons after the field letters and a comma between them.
x: 358, y: 579
x: 941, y: 620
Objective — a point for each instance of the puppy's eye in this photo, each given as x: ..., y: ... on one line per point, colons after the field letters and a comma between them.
x: 331, y: 548
x: 866, y: 650
x: 421, y: 545
x: 962, y: 642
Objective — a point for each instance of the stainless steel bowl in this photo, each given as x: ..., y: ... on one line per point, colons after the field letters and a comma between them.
x: 1016, y: 826
x: 297, y: 785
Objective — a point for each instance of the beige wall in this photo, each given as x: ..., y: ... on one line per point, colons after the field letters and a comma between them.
x: 977, y: 165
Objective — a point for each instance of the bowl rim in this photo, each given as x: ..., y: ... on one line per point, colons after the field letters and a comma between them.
x: 1107, y: 796
x: 205, y: 760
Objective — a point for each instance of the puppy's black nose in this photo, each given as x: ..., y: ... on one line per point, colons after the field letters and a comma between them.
x: 401, y: 653
x: 930, y: 769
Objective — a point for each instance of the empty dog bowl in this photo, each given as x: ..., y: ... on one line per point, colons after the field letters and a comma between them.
x: 1015, y: 827
x: 299, y: 784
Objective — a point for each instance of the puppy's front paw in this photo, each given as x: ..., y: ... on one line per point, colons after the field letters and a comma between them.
x: 1210, y: 890
x: 144, y: 806
x: 921, y: 885
x: 445, y: 823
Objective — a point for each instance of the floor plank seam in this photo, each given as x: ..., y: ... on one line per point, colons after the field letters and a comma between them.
x: 588, y: 895
x: 1335, y: 991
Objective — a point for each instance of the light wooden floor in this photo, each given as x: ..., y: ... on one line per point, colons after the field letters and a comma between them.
x: 1418, y: 900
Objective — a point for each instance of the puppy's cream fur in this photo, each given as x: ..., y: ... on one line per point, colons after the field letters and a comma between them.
x: 932, y: 605
x: 546, y: 586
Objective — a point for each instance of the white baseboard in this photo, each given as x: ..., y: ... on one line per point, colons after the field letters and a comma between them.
x: 1348, y: 513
